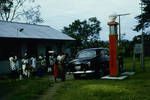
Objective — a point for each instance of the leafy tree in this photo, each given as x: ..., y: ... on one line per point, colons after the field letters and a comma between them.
x: 12, y: 10
x: 137, y: 39
x: 143, y: 18
x: 126, y: 48
x: 84, y: 31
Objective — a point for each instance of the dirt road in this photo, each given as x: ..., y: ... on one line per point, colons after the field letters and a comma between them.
x: 48, y: 95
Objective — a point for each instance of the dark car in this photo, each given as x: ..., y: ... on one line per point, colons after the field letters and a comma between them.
x: 90, y: 62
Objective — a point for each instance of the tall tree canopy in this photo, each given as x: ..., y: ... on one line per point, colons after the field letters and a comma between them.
x: 84, y: 31
x: 144, y: 18
x: 14, y: 10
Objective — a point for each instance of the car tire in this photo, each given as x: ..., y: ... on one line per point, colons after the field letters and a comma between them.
x: 106, y: 68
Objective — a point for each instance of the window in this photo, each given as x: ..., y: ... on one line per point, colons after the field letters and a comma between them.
x: 86, y: 54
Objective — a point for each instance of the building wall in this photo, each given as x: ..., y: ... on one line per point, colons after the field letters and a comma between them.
x: 4, y: 66
x: 23, y: 49
x: 41, y: 50
x: 38, y: 47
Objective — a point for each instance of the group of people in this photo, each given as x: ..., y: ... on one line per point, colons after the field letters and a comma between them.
x: 29, y: 66
x: 58, y: 63
x: 25, y: 67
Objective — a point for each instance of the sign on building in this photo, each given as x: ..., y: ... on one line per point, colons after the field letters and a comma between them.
x: 138, y: 48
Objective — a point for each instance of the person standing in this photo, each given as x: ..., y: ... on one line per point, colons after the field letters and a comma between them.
x: 61, y: 65
x: 12, y: 67
x: 33, y: 64
x: 18, y: 68
x: 16, y: 62
x: 25, y: 64
x: 55, y: 71
x: 51, y: 61
x: 41, y: 63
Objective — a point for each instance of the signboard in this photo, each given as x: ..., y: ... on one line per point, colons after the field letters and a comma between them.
x: 138, y: 48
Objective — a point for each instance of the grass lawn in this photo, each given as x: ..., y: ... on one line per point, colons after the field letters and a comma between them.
x: 27, y: 89
x: 136, y: 87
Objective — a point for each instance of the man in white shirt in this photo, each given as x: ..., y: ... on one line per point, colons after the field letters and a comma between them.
x: 25, y: 62
x: 12, y: 67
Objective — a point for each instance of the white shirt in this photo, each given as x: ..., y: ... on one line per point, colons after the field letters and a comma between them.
x: 60, y: 58
x: 33, y: 62
x: 25, y: 61
x: 51, y: 60
x: 12, y: 63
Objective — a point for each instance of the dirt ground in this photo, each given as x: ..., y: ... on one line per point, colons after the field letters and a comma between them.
x: 48, y: 95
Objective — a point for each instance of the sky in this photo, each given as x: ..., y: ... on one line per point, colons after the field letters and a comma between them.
x: 60, y: 13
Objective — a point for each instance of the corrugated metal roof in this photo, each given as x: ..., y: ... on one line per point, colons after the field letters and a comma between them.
x: 30, y: 31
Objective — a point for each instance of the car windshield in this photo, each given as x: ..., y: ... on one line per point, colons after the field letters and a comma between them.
x: 86, y: 54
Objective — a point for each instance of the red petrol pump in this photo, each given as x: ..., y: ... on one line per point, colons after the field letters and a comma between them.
x: 113, y: 44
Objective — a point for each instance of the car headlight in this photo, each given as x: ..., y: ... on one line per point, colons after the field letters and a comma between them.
x: 77, y: 67
x: 89, y: 63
